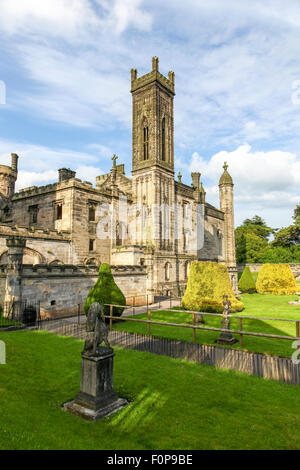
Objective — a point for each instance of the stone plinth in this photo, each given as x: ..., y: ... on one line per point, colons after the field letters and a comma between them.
x: 226, y: 338
x: 97, y: 398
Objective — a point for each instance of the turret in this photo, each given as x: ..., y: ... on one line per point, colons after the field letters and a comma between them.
x: 8, y: 177
x: 227, y: 206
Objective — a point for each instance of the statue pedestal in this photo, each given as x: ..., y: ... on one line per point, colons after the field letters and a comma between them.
x: 226, y: 338
x: 97, y: 398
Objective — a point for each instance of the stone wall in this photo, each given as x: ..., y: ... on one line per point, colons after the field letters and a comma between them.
x: 60, y: 289
x: 40, y: 247
x: 255, y: 267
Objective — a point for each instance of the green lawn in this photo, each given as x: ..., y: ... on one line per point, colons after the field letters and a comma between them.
x: 257, y: 305
x: 174, y: 404
x: 6, y: 322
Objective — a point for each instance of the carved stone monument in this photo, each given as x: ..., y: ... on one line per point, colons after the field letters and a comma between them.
x: 226, y: 338
x: 97, y: 398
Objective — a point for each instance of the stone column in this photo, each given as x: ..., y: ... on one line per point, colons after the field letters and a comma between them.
x: 227, y: 206
x: 13, y: 286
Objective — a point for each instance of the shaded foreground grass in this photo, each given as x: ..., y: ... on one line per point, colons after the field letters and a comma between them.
x: 256, y: 305
x: 174, y: 404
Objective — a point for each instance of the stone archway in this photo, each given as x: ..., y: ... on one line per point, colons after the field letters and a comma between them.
x: 30, y: 256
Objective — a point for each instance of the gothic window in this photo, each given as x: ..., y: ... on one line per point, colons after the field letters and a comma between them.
x: 146, y: 142
x: 163, y: 140
x: 33, y: 214
x: 186, y: 269
x: 91, y: 245
x: 120, y: 233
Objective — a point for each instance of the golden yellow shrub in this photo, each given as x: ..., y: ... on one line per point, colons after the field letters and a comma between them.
x: 276, y: 279
x: 207, y: 284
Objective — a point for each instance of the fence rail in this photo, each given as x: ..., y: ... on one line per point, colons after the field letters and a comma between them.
x: 270, y: 367
x: 195, y: 327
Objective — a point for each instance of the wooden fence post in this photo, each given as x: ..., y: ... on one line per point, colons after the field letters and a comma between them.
x: 241, y: 335
x: 149, y: 324
x: 110, y: 314
x: 297, y: 329
x: 133, y: 306
x: 194, y: 330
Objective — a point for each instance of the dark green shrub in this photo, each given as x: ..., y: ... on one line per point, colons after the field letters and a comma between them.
x: 106, y: 291
x: 246, y: 282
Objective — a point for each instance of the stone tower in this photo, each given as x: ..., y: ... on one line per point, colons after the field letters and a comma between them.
x: 227, y: 206
x: 8, y: 177
x: 153, y: 153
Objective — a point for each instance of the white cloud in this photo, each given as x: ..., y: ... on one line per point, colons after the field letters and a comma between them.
x: 55, y: 17
x: 32, y: 178
x: 127, y: 13
x: 235, y: 63
x: 38, y: 165
x: 88, y: 173
x: 264, y: 182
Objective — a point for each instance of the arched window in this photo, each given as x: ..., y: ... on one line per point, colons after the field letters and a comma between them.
x: 146, y: 142
x: 120, y: 233
x: 167, y: 271
x: 163, y: 140
x: 186, y: 269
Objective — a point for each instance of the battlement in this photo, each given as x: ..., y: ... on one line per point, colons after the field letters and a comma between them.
x: 64, y: 184
x: 32, y: 232
x: 155, y: 75
x: 37, y: 270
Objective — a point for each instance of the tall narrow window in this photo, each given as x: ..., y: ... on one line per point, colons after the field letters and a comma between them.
x: 91, y: 245
x: 58, y: 211
x: 91, y: 214
x: 33, y: 214
x: 163, y: 140
x: 146, y: 143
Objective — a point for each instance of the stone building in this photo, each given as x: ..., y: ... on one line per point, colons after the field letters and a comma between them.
x: 151, y: 222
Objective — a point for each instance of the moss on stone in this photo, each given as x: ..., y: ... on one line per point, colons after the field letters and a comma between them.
x: 247, y: 283
x: 106, y: 291
x: 276, y: 279
x: 207, y: 284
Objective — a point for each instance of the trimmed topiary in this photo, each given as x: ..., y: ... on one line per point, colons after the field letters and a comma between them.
x: 276, y: 279
x: 246, y: 282
x: 106, y: 291
x: 207, y: 284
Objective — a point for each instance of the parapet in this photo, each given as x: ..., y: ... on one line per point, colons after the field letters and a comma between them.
x: 31, y: 232
x: 154, y: 76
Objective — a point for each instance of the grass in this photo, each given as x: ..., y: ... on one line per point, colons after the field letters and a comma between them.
x: 174, y: 404
x: 6, y: 322
x: 257, y: 305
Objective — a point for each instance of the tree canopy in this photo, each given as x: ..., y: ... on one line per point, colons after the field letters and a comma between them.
x: 253, y: 244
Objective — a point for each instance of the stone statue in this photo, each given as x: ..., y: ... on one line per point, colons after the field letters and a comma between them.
x: 226, y: 338
x: 97, y: 397
x: 97, y: 331
x: 227, y: 305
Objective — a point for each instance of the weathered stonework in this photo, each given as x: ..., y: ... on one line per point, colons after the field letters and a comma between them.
x: 62, y: 221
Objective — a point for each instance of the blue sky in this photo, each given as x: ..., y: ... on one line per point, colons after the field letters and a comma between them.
x: 66, y: 67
